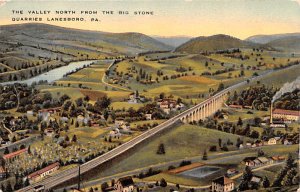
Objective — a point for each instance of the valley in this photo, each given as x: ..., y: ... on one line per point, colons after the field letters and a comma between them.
x: 142, y: 108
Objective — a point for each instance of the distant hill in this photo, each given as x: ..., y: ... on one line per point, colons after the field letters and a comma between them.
x: 174, y: 41
x: 213, y: 43
x: 286, y: 43
x: 263, y: 39
x: 127, y: 43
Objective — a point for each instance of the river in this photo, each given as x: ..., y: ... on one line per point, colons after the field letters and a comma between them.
x: 54, y: 74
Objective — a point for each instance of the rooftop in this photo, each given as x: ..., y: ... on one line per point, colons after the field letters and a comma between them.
x: 13, y: 154
x: 286, y: 112
x: 249, y: 159
x: 49, y: 167
x: 223, y: 180
x: 126, y: 181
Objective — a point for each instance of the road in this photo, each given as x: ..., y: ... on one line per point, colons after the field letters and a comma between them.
x: 25, y: 141
x: 111, y: 85
x: 72, y: 173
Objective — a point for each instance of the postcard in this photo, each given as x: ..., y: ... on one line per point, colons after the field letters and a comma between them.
x: 149, y: 95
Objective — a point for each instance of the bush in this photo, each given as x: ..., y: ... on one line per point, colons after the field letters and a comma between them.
x: 171, y: 167
x: 184, y: 163
x: 163, y: 183
x: 213, y: 148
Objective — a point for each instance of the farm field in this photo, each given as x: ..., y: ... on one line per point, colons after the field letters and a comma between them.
x: 190, y: 80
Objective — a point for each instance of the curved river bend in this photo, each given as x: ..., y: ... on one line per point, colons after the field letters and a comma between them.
x: 56, y: 73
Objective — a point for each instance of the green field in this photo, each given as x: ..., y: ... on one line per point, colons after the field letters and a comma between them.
x: 181, y: 142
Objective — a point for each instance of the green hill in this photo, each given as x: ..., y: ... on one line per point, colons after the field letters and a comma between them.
x: 212, y: 43
x: 263, y: 39
x: 43, y: 34
x: 286, y: 43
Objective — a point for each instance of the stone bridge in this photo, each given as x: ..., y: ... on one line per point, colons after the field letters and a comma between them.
x: 204, y: 109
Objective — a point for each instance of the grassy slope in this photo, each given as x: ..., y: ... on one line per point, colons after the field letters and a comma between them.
x: 212, y: 43
x: 182, y: 142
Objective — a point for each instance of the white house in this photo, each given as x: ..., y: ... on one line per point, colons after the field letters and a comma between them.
x: 125, y: 184
x: 272, y: 141
x: 148, y: 116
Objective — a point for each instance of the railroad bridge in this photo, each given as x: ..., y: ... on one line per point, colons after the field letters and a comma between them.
x: 204, y: 109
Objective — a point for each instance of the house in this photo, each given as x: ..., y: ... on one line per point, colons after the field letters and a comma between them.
x: 40, y: 174
x: 248, y: 144
x: 29, y: 113
x: 249, y: 161
x: 50, y: 110
x: 265, y: 160
x: 222, y: 184
x: 256, y: 179
x: 289, y: 115
x: 49, y: 132
x: 125, y: 127
x: 115, y: 133
x: 136, y: 98
x: 148, y: 116
x: 168, y: 105
x: 82, y: 119
x: 3, y: 172
x: 231, y: 172
x: 241, y: 146
x: 272, y: 141
x: 14, y: 154
x: 257, y: 162
x: 278, y: 158
x: 288, y: 142
x: 124, y: 184
x: 119, y: 122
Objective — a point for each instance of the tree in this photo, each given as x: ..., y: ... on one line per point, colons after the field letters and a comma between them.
x: 260, y: 153
x: 104, y: 186
x: 240, y: 122
x: 221, y: 87
x: 288, y: 181
x: 220, y: 142
x: 204, y: 157
x: 246, y: 178
x: 112, y: 182
x: 161, y: 149
x: 266, y: 182
x: 6, y: 151
x: 290, y: 162
x: 163, y: 183
x: 26, y: 182
x: 8, y: 188
x: 74, y: 138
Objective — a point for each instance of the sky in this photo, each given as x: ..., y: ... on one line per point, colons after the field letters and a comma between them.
x: 239, y: 18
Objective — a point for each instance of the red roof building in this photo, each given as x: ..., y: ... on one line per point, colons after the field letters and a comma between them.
x: 38, y: 175
x: 14, y: 154
x: 290, y: 115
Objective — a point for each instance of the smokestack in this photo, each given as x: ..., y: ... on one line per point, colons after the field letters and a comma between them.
x: 271, y: 113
